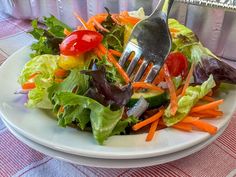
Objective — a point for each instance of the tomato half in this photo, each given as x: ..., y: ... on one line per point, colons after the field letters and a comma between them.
x: 80, y: 41
x: 177, y: 64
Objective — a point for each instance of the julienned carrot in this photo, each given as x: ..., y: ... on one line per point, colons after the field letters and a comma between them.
x: 189, y: 119
x: 208, y: 98
x: 149, y: 120
x: 211, y: 112
x: 183, y: 126
x: 160, y: 77
x: 179, y: 91
x: 66, y: 32
x: 146, y: 86
x: 85, y: 25
x: 204, y: 126
x: 28, y: 86
x: 211, y: 105
x: 60, y: 73
x: 114, y: 62
x: 115, y: 52
x: 152, y: 130
x: 173, y: 30
x: 128, y: 20
x: 202, y: 115
x: 173, y: 97
x: 99, y: 26
x: 187, y: 81
x: 98, y: 53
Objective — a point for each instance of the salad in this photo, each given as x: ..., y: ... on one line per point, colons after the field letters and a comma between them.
x: 76, y: 74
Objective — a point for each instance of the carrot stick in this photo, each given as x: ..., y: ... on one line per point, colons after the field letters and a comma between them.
x: 173, y: 97
x: 114, y: 62
x: 115, y: 52
x: 183, y: 126
x: 146, y: 85
x: 82, y: 21
x: 152, y: 130
x: 202, y: 115
x: 187, y: 81
x: 211, y: 105
x: 204, y: 126
x: 149, y: 120
x: 28, y: 86
x: 189, y: 119
x: 211, y: 112
x: 129, y: 20
x: 160, y: 77
x: 99, y: 26
x: 208, y: 98
x: 66, y: 32
x: 179, y: 91
x: 98, y: 53
x: 60, y: 73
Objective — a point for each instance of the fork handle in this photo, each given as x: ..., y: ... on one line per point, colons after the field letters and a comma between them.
x: 163, y: 6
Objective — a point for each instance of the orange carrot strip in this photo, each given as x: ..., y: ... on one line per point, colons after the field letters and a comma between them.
x: 82, y: 21
x: 211, y: 105
x: 173, y: 97
x: 128, y: 20
x: 114, y: 62
x: 189, y: 119
x: 60, y: 72
x: 98, y: 53
x: 33, y: 75
x: 204, y: 126
x: 210, y: 93
x: 146, y: 85
x: 211, y: 112
x: 183, y: 126
x: 202, y: 115
x: 99, y: 26
x: 149, y: 120
x: 115, y: 52
x: 208, y: 98
x: 179, y: 91
x: 187, y: 81
x: 28, y: 86
x: 66, y: 32
x: 160, y: 77
x: 152, y: 130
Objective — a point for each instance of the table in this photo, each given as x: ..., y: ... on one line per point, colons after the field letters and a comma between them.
x: 17, y: 159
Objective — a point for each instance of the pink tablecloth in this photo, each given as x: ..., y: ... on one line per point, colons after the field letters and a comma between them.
x: 17, y: 159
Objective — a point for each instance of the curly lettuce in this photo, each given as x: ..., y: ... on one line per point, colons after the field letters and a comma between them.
x: 43, y: 66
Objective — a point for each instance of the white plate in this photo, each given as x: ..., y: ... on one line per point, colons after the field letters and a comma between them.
x: 40, y: 126
x: 114, y: 163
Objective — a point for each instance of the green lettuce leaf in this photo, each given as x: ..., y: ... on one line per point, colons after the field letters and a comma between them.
x: 186, y: 41
x: 48, y: 37
x: 185, y: 103
x: 45, y: 66
x: 102, y: 119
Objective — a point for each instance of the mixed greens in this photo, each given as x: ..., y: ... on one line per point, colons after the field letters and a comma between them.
x: 76, y: 74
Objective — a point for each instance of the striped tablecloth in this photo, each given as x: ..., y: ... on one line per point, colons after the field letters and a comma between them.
x: 17, y: 159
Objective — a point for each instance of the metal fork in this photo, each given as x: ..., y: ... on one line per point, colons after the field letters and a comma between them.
x: 151, y: 40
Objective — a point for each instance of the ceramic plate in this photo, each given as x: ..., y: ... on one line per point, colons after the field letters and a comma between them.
x: 41, y: 127
x: 114, y: 163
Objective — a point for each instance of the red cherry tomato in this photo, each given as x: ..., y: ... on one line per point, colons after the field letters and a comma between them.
x: 80, y: 41
x: 177, y: 64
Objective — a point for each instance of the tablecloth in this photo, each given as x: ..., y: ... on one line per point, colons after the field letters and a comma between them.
x: 17, y: 159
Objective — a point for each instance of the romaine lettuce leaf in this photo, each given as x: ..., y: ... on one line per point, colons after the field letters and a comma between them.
x: 186, y: 41
x: 44, y: 66
x: 102, y: 119
x: 185, y: 103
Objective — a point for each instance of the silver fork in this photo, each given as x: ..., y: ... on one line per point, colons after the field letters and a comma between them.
x: 151, y: 40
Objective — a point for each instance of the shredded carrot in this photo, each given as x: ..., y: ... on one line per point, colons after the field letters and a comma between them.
x: 160, y: 77
x: 33, y: 75
x: 210, y: 93
x: 152, y: 130
x: 179, y: 91
x: 66, y: 32
x: 211, y: 105
x: 211, y: 112
x: 149, y: 120
x: 115, y: 52
x: 124, y: 13
x: 173, y: 97
x: 187, y: 81
x: 99, y: 26
x: 59, y: 72
x: 98, y: 53
x: 145, y: 74
x: 202, y: 115
x: 208, y: 98
x: 28, y: 86
x: 204, y: 126
x: 146, y: 86
x: 114, y: 62
x: 128, y: 20
x: 183, y: 126
x: 189, y: 119
x: 82, y: 21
